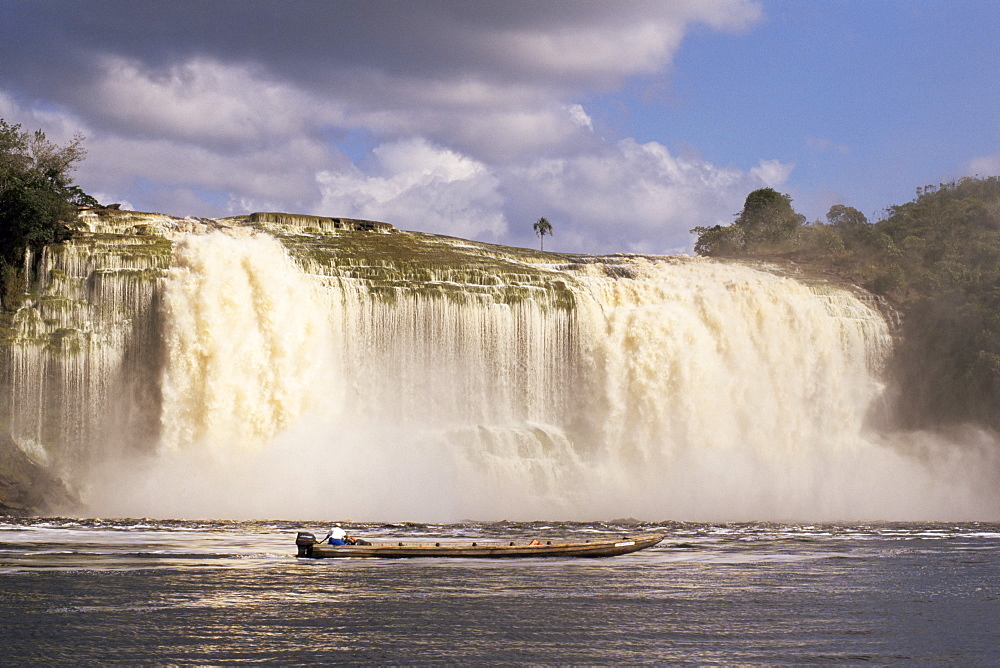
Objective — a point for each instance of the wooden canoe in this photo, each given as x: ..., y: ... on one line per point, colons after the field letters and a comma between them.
x: 595, y: 547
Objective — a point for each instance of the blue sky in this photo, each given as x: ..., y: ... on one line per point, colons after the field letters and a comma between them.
x: 868, y: 100
x: 624, y: 123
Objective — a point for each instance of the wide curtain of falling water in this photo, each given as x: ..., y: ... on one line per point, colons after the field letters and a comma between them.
x: 670, y: 389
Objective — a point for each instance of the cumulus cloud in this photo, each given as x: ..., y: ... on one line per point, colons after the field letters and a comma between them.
x: 632, y: 197
x: 204, y: 101
x: 608, y: 41
x: 603, y: 196
x: 505, y: 129
x: 59, y: 125
x: 473, y: 111
x: 984, y: 165
x: 167, y: 174
x: 580, y: 117
x: 772, y: 173
x: 625, y: 197
x: 419, y: 186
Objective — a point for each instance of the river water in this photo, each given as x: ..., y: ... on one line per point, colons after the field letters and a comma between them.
x: 185, y: 592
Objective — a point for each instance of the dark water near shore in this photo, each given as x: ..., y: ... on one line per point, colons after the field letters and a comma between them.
x: 141, y: 592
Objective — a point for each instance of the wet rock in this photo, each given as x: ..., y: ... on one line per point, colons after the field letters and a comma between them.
x: 27, y: 488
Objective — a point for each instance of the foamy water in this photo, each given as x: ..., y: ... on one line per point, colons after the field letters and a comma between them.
x: 681, y: 388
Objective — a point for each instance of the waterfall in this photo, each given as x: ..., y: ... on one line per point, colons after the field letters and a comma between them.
x: 712, y: 388
x: 245, y: 337
x: 78, y: 362
x: 285, y: 376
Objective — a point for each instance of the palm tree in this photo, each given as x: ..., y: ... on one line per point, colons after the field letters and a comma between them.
x: 543, y: 227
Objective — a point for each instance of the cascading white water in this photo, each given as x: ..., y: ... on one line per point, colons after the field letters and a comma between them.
x: 246, y: 340
x: 672, y: 388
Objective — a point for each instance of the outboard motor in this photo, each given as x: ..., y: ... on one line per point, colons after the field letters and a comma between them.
x: 305, y: 542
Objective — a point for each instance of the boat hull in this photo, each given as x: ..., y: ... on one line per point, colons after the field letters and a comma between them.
x: 486, y: 550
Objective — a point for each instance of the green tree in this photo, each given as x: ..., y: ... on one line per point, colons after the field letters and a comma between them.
x: 768, y: 219
x: 767, y: 223
x: 718, y: 240
x: 847, y: 218
x: 542, y: 227
x: 36, y: 195
x: 851, y: 224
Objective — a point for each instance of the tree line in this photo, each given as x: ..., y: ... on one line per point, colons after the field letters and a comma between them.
x: 935, y: 259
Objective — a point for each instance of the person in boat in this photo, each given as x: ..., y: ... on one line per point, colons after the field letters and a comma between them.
x: 337, y: 536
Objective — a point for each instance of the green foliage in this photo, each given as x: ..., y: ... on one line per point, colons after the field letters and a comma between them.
x: 827, y: 239
x: 30, y: 208
x: 542, y: 227
x: 936, y: 259
x: 945, y: 247
x: 36, y: 197
x: 767, y: 224
x: 12, y: 286
x: 719, y: 241
x: 768, y: 218
x: 850, y: 224
x: 847, y: 218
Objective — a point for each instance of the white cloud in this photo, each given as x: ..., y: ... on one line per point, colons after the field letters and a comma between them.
x: 631, y: 197
x: 602, y: 197
x: 59, y: 125
x: 189, y: 162
x: 420, y: 186
x: 580, y: 117
x: 624, y: 197
x: 238, y: 108
x: 205, y: 181
x: 496, y: 86
x: 984, y: 165
x: 601, y: 51
x: 772, y: 173
x: 611, y: 40
x: 475, y: 114
x: 207, y: 101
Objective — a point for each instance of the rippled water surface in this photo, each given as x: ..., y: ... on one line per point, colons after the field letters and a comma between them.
x: 144, y: 591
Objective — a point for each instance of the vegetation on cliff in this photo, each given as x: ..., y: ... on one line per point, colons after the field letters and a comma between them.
x: 37, y: 198
x: 767, y: 221
x: 936, y: 259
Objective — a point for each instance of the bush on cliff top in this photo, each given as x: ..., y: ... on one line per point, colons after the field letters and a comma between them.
x: 37, y: 196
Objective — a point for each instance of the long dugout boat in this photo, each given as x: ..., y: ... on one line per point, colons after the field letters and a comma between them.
x: 309, y: 547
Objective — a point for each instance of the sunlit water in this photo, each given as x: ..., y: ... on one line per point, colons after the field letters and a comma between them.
x: 182, y: 592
